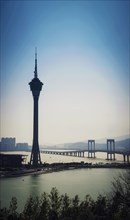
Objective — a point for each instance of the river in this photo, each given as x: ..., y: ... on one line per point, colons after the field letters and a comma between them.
x: 79, y: 181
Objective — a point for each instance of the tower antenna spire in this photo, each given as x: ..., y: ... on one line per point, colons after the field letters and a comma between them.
x: 35, y: 71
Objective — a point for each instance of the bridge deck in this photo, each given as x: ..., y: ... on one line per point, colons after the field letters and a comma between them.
x: 83, y: 151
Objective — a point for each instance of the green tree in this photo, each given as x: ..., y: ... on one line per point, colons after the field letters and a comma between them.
x: 12, y: 209
x: 32, y: 208
x: 4, y: 212
x: 54, y: 203
x: 85, y: 209
x: 119, y: 199
x: 75, y: 207
x: 44, y: 207
x: 65, y: 206
x: 100, y: 208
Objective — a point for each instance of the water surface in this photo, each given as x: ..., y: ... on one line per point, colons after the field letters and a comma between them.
x: 79, y: 181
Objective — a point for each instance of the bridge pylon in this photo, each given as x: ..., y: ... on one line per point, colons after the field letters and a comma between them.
x: 126, y: 158
x: 91, y: 148
x: 110, y: 149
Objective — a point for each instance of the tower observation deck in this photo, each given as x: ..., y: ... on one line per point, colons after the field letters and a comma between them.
x: 35, y: 87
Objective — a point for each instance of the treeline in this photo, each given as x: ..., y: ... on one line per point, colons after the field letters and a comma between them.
x: 53, y: 206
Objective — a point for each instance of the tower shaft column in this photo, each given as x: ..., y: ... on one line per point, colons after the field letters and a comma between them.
x: 35, y: 155
x: 35, y: 122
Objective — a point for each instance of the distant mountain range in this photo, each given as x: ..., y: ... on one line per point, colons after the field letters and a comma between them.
x: 122, y: 145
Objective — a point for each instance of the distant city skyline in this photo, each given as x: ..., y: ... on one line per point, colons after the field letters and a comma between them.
x: 83, y: 61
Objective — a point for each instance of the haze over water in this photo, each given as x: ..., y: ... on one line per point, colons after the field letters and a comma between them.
x: 50, y: 158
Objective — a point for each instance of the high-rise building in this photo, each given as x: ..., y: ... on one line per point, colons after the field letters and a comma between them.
x: 35, y: 87
x: 8, y: 144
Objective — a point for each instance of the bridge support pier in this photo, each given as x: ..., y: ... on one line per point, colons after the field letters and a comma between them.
x: 78, y: 154
x: 126, y: 158
x: 91, y: 148
x: 111, y: 149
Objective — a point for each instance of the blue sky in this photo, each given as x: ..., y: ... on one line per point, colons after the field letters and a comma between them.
x: 83, y: 61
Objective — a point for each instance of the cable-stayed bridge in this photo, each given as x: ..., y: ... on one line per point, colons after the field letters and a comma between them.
x: 91, y: 151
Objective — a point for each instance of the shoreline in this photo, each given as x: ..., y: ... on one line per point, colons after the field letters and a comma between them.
x: 58, y: 168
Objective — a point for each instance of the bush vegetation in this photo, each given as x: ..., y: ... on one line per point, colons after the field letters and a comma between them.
x: 53, y: 206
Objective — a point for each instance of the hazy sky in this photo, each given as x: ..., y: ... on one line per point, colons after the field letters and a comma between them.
x: 83, y: 61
